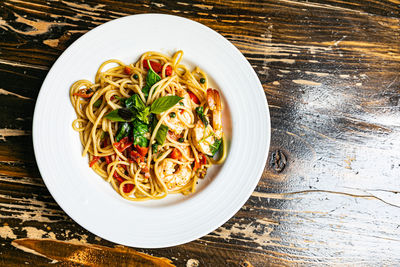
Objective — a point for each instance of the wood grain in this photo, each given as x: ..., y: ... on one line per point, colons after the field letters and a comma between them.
x: 330, y: 71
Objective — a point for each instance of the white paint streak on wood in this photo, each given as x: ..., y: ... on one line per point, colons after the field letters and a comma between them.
x: 285, y: 71
x: 306, y: 82
x: 319, y: 74
x: 29, y: 210
x: 39, y: 26
x: 283, y: 60
x: 22, y: 65
x: 192, y: 263
x: 274, y: 106
x: 269, y: 195
x: 22, y: 180
x: 52, y: 235
x: 84, y: 8
x: 5, y: 92
x: 158, y: 4
x: 32, y: 232
x: 298, y: 48
x: 12, y: 132
x: 324, y: 6
x: 99, y: 6
x: 7, y: 232
x: 28, y: 250
x: 205, y: 7
x: 258, y: 232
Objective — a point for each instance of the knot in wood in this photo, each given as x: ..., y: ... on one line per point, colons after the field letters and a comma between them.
x: 278, y: 161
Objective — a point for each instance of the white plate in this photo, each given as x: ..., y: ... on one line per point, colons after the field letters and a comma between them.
x: 87, y: 198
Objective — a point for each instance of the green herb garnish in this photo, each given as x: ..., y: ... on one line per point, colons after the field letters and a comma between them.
x: 200, y: 112
x: 151, y: 79
x: 123, y: 131
x: 162, y: 134
x: 215, y: 147
x: 135, y: 102
x: 121, y: 114
x: 164, y: 103
x: 138, y: 132
x: 97, y: 103
x: 154, y: 147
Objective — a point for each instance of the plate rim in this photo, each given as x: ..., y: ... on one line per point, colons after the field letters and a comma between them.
x: 99, y: 28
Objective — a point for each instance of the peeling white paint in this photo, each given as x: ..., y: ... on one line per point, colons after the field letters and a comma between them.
x: 5, y: 92
x: 192, y: 263
x: 32, y: 232
x: 306, y: 82
x: 284, y: 60
x: 7, y: 232
x: 319, y: 74
x: 11, y: 132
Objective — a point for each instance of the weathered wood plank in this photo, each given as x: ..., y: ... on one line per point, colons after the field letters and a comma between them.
x: 330, y: 71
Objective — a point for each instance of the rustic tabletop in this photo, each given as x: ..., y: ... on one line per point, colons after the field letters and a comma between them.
x: 329, y: 193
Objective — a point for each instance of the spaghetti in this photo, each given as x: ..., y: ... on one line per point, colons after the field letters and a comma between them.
x: 150, y: 128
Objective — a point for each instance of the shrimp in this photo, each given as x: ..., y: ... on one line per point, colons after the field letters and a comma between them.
x: 182, y: 119
x: 174, y: 177
x: 205, y: 136
x: 186, y: 156
x: 214, y: 103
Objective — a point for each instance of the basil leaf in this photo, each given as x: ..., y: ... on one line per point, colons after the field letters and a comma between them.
x: 126, y: 114
x: 215, y: 147
x: 144, y: 115
x: 121, y: 99
x: 154, y: 147
x: 139, y: 130
x: 123, y: 131
x: 135, y: 102
x: 121, y: 114
x: 141, y: 141
x: 164, y: 103
x: 153, y: 121
x: 97, y: 103
x: 200, y: 112
x: 151, y: 79
x: 146, y: 90
x: 162, y: 134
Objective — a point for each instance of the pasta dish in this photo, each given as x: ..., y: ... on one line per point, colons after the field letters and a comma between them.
x: 151, y: 128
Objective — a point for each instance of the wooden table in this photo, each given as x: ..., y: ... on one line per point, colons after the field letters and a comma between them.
x: 329, y: 192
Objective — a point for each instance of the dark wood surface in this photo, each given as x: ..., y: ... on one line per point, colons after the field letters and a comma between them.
x: 329, y: 191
